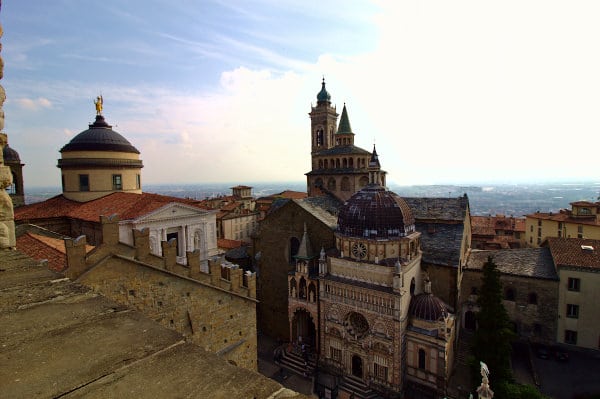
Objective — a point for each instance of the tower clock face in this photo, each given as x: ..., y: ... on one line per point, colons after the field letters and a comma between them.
x: 359, y: 250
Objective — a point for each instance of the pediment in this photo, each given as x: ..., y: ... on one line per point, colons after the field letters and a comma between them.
x: 173, y: 210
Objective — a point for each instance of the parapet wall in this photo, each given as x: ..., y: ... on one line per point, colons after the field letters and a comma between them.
x: 216, y: 310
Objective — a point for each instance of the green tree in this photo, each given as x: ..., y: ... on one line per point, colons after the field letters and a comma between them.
x: 492, y: 343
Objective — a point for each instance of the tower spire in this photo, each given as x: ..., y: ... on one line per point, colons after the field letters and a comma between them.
x: 344, y: 126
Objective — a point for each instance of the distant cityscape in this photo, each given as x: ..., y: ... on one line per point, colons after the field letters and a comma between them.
x: 492, y: 199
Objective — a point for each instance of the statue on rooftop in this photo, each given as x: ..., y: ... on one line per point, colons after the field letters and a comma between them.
x: 98, y: 103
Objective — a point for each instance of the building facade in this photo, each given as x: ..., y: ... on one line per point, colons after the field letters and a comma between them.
x: 581, y: 221
x: 577, y: 262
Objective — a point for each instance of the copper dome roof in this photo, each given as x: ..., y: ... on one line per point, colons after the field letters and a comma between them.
x: 428, y: 307
x: 10, y: 155
x: 375, y: 212
x: 99, y: 137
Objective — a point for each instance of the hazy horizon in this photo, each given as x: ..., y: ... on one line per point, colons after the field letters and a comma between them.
x: 463, y: 92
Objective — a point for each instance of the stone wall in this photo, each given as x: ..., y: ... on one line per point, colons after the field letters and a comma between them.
x: 535, y: 322
x: 273, y: 243
x: 215, y: 310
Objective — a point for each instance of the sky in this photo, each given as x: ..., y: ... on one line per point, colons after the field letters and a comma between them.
x: 450, y: 92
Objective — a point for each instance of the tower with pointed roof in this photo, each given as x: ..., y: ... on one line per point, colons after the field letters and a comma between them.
x: 338, y: 167
x: 99, y: 161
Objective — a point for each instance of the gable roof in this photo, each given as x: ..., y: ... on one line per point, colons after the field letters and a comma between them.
x: 126, y: 205
x: 431, y: 208
x: 575, y: 252
x: 524, y: 262
x: 324, y: 207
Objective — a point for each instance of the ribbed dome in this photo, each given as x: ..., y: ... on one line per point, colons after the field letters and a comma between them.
x: 375, y: 212
x: 10, y: 155
x: 428, y: 307
x: 323, y: 95
x: 99, y: 137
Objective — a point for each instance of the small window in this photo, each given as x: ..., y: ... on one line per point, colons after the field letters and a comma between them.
x: 84, y: 183
x: 539, y: 222
x: 422, y: 359
x: 336, y: 354
x: 573, y: 284
x: 117, y: 182
x: 531, y: 228
x: 509, y: 294
x: 572, y: 311
x: 571, y: 337
x: 579, y: 231
x: 62, y: 182
x: 138, y: 181
x: 532, y: 298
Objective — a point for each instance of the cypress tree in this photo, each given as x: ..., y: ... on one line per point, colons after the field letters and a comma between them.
x: 492, y: 343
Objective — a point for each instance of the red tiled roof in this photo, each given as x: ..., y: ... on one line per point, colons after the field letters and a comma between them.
x: 565, y: 216
x: 571, y: 252
x: 225, y: 243
x: 41, y: 247
x: 292, y: 194
x: 125, y: 205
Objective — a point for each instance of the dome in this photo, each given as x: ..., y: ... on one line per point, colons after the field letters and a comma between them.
x: 427, y: 307
x: 323, y: 95
x: 10, y: 155
x: 99, y: 137
x: 375, y: 212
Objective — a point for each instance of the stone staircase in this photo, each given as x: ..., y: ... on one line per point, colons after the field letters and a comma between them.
x: 464, y: 348
x: 294, y: 361
x: 358, y: 388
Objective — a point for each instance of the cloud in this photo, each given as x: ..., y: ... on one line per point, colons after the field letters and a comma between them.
x: 34, y: 104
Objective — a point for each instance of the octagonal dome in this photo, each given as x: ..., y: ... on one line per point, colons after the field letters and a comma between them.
x: 99, y: 137
x: 375, y: 212
x: 428, y: 307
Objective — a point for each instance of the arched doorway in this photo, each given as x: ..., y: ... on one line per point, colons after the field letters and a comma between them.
x: 303, y: 328
x: 470, y: 320
x: 357, y: 366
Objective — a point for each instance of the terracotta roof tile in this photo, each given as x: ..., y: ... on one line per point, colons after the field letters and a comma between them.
x: 125, y: 205
x: 31, y: 245
x: 575, y: 252
x: 225, y: 243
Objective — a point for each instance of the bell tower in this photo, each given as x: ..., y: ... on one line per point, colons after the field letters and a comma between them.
x: 323, y: 122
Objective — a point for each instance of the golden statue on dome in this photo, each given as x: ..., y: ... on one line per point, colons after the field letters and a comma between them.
x: 98, y: 103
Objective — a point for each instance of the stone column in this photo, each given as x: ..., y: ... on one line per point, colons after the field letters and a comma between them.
x: 7, y: 222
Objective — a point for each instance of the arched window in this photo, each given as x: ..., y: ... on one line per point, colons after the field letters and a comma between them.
x: 509, y: 294
x: 331, y: 184
x: 326, y: 164
x: 293, y: 288
x: 345, y: 162
x: 351, y: 162
x: 412, y: 286
x: 294, y: 246
x: 532, y: 298
x: 422, y: 356
x: 319, y: 182
x: 302, y: 289
x: 319, y: 137
x: 345, y: 184
x: 320, y: 164
x: 337, y: 163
